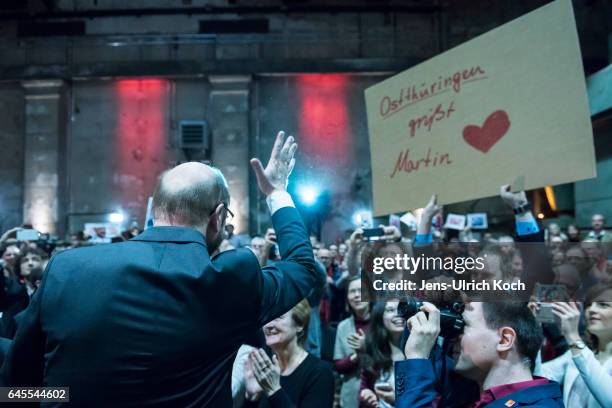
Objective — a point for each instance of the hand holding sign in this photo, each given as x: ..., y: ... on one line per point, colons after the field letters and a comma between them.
x: 506, y: 104
x: 429, y: 212
x: 514, y: 200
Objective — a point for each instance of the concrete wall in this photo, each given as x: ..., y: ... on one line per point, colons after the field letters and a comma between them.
x: 107, y: 171
x: 44, y: 197
x: 12, y: 131
x: 595, y: 195
x: 123, y: 134
x: 118, y: 140
x: 297, y: 41
x: 112, y: 164
x: 326, y: 113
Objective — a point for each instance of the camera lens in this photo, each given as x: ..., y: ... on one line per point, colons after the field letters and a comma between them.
x: 408, y: 307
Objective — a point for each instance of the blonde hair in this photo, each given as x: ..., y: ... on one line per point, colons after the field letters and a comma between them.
x: 301, y: 317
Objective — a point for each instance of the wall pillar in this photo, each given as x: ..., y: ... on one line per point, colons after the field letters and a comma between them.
x: 229, y: 117
x: 44, y: 158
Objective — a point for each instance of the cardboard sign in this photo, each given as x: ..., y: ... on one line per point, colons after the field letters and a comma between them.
x: 455, y: 221
x: 409, y: 220
x: 508, y: 107
x: 101, y: 232
x: 477, y: 221
x: 394, y: 220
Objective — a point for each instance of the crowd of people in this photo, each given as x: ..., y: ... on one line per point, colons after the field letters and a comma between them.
x: 333, y: 349
x: 367, y: 335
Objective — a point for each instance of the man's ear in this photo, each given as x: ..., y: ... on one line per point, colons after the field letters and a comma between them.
x: 507, y: 339
x: 214, y: 222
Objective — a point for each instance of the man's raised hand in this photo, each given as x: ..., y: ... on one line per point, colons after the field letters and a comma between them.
x: 429, y: 212
x: 432, y: 208
x: 275, y: 175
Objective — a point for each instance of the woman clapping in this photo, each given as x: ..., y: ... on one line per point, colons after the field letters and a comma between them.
x: 292, y: 377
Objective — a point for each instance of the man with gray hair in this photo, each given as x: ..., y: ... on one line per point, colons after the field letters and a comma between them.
x: 157, y: 320
x: 599, y: 233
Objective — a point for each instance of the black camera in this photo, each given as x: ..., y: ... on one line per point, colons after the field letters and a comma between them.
x: 451, y: 321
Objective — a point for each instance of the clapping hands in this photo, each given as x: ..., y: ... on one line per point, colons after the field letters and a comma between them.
x: 265, y: 371
x: 356, y: 341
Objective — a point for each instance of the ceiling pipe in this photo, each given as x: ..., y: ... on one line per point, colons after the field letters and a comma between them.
x: 144, y: 12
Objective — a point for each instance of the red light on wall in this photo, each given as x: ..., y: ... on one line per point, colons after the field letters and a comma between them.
x: 324, y: 125
x: 140, y: 145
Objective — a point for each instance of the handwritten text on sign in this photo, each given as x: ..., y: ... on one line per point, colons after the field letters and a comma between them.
x: 489, y: 112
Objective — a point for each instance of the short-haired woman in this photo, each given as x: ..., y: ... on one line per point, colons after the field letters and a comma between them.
x: 292, y: 377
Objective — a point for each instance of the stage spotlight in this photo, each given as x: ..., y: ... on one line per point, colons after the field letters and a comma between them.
x: 116, y: 217
x: 308, y: 194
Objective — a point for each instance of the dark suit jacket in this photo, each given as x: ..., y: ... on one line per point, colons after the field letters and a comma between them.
x: 13, y: 295
x: 415, y: 382
x: 154, y: 321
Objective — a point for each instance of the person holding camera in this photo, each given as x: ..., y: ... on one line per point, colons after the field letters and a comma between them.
x: 357, y: 244
x: 498, y: 347
x: 13, y: 294
x: 585, y: 370
x: 497, y: 350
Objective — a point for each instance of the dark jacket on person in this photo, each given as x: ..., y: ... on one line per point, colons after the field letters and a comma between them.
x: 537, y: 266
x: 418, y: 381
x: 415, y: 387
x: 154, y: 321
x: 13, y: 294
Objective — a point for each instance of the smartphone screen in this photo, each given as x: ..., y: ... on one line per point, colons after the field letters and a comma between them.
x: 373, y: 232
x: 383, y: 386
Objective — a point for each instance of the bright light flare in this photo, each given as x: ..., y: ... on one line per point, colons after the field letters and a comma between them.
x: 116, y: 217
x: 308, y: 194
x: 362, y: 218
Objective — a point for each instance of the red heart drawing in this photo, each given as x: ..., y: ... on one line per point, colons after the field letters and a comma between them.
x: 494, y: 128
